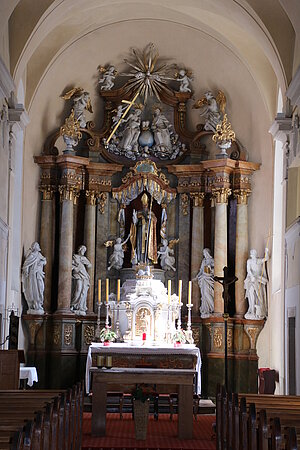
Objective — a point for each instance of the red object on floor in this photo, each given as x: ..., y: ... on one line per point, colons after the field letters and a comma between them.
x: 162, y: 434
x: 144, y: 336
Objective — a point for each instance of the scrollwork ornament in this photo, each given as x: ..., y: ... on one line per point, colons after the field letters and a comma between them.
x: 56, y: 335
x: 68, y: 335
x: 185, y: 203
x: 218, y: 338
x: 102, y: 200
x: 89, y: 333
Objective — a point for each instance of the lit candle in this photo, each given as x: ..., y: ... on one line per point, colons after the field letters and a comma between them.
x: 118, y: 290
x: 107, y: 289
x: 179, y: 290
x: 190, y: 293
x: 169, y: 291
x: 99, y: 291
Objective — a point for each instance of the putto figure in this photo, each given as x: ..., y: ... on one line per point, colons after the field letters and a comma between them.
x: 33, y: 279
x: 184, y: 79
x: 255, y: 285
x: 81, y: 281
x: 81, y: 102
x: 205, y: 279
x: 212, y: 109
x: 116, y: 259
x: 107, y: 79
x: 166, y: 252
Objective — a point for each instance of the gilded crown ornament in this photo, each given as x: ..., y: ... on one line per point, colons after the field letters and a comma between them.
x: 223, y: 137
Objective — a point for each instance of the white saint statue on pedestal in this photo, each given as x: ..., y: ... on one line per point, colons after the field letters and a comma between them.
x: 81, y: 281
x: 255, y: 285
x: 33, y: 279
x: 206, y: 283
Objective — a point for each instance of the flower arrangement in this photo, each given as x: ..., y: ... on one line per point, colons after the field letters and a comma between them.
x: 143, y: 392
x: 179, y: 336
x: 107, y: 335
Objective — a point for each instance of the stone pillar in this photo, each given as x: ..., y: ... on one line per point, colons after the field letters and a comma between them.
x: 241, y: 250
x: 46, y: 240
x: 197, y: 245
x: 220, y: 245
x: 90, y: 242
x: 65, y: 249
x: 184, y: 245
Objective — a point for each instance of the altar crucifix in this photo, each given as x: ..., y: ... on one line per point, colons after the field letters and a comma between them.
x: 225, y: 281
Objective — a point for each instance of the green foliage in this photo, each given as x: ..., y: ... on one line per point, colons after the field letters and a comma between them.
x: 106, y: 334
x: 143, y: 392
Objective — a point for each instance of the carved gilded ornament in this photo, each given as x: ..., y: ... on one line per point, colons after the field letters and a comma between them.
x: 102, y: 201
x: 198, y: 199
x: 71, y: 127
x: 224, y: 131
x: 185, y: 204
x: 218, y: 337
x: 47, y: 191
x: 242, y: 196
x: 252, y: 332
x: 196, y: 336
x: 33, y: 328
x: 91, y: 198
x: 56, y: 335
x: 221, y: 194
x: 67, y: 193
x: 89, y: 333
x: 230, y: 338
x: 68, y: 334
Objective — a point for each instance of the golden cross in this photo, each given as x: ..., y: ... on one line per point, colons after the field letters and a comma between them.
x: 130, y: 104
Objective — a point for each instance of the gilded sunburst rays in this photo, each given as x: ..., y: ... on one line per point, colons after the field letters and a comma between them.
x: 147, y: 76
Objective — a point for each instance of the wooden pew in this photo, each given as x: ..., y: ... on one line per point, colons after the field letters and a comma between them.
x: 252, y: 422
x: 49, y: 421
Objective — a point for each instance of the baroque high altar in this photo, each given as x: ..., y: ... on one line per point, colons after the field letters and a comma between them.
x: 144, y: 193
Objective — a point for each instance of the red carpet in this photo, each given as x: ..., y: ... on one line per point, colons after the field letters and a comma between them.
x: 162, y: 434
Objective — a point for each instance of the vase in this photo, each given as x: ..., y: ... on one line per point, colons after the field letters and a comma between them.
x: 141, y: 412
x: 106, y: 343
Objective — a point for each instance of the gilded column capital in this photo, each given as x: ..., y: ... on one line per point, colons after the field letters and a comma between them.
x: 184, y: 200
x: 67, y: 192
x: 242, y: 196
x: 221, y: 194
x: 102, y: 196
x: 47, y: 191
x: 91, y: 198
x: 198, y: 199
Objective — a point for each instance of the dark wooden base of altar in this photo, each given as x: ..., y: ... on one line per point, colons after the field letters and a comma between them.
x: 58, y: 346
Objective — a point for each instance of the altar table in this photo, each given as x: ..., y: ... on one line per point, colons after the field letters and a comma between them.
x: 182, y: 378
x: 164, y: 352
x: 28, y: 373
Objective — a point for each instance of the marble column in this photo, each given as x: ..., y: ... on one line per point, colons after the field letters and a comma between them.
x: 90, y: 242
x: 46, y: 240
x: 65, y: 249
x: 241, y: 250
x: 197, y: 245
x: 220, y: 244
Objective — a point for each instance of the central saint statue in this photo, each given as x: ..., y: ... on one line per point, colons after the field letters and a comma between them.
x: 143, y: 235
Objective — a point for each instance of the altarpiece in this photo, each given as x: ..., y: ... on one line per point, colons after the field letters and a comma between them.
x: 99, y: 187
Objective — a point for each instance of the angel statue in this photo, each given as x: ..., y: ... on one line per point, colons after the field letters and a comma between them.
x: 81, y: 102
x: 116, y: 259
x: 184, y: 79
x: 255, y: 285
x: 81, y: 281
x: 107, y: 79
x: 33, y: 279
x: 166, y: 252
x: 212, y: 109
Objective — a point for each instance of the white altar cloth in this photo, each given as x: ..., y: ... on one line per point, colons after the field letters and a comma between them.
x: 128, y: 349
x: 30, y: 374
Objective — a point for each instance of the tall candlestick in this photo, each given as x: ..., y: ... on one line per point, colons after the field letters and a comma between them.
x: 107, y: 289
x: 190, y: 293
x: 99, y: 291
x: 179, y: 290
x: 118, y: 290
x: 169, y: 291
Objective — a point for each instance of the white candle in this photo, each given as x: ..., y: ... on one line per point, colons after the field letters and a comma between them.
x: 179, y: 290
x: 99, y: 291
x: 190, y: 293
x: 118, y: 290
x: 169, y: 291
x: 107, y: 289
